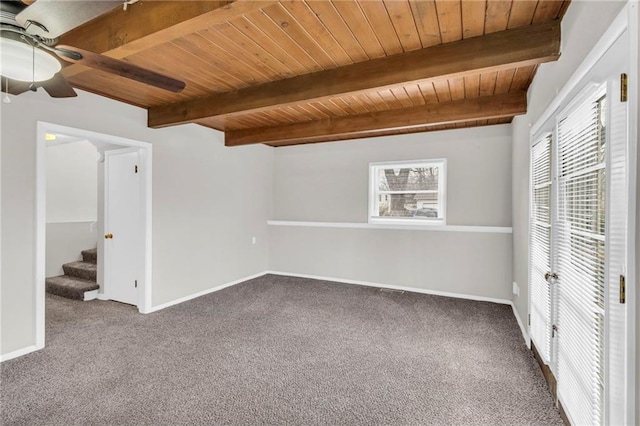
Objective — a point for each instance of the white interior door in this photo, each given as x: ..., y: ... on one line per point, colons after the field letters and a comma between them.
x: 123, y: 242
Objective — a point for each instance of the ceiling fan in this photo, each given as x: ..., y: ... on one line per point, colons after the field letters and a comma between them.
x: 29, y: 33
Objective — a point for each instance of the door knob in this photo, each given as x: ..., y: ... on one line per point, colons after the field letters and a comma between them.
x: 108, y: 236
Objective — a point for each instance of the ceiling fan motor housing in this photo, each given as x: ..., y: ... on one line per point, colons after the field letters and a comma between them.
x: 22, y: 59
x: 8, y: 22
x: 9, y: 10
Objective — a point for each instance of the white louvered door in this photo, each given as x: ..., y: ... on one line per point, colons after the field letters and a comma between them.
x: 540, y: 242
x: 580, y: 257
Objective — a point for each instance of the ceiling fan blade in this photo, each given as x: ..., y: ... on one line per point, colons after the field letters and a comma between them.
x: 58, y: 87
x: 118, y: 67
x: 52, y: 18
x: 15, y: 87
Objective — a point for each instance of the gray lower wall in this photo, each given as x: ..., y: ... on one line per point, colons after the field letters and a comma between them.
x: 476, y: 264
x: 65, y: 241
x: 329, y: 183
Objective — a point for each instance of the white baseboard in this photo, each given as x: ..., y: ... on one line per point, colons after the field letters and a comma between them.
x: 523, y: 329
x: 202, y: 293
x: 101, y: 296
x: 90, y: 295
x: 396, y: 287
x: 19, y: 352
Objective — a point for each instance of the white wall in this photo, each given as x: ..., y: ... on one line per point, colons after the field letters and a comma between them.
x: 72, y: 182
x: 17, y: 232
x: 72, y: 202
x: 329, y: 183
x: 2, y: 318
x: 65, y: 241
x: 208, y: 201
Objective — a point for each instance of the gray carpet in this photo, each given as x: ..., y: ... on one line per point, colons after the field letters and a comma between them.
x: 279, y: 350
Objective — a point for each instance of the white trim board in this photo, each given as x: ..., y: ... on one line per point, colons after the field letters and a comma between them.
x: 204, y: 292
x: 342, y: 281
x: 633, y: 255
x: 525, y: 333
x: 19, y: 352
x: 55, y: 222
x: 33, y: 348
x: 395, y: 287
x: 363, y: 225
x: 90, y: 295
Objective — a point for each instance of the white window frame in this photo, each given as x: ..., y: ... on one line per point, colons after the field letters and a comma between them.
x: 413, y: 221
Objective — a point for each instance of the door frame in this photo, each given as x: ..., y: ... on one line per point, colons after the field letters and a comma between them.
x: 146, y: 157
x: 627, y: 20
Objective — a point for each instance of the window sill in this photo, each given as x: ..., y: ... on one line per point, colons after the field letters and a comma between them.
x: 413, y: 223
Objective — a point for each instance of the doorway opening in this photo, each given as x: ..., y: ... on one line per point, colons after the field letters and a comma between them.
x: 121, y: 231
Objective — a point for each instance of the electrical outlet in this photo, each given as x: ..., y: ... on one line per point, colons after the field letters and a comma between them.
x: 516, y: 289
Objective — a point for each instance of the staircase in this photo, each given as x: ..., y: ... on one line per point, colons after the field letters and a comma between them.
x: 79, y: 279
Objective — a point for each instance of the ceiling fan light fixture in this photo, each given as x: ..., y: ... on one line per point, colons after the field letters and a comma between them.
x: 17, y: 62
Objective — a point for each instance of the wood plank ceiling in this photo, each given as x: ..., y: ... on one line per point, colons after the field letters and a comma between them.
x: 291, y: 72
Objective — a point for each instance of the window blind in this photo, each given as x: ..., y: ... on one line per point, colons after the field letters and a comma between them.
x: 580, y: 253
x: 540, y: 235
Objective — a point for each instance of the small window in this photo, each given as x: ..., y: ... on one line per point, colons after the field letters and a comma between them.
x: 407, y: 192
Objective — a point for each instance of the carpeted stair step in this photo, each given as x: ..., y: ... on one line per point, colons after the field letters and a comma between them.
x: 90, y: 256
x: 83, y: 270
x: 69, y: 287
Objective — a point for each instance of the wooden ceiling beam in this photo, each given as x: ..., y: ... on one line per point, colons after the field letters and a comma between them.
x: 374, y: 123
x: 523, y: 46
x: 146, y: 24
